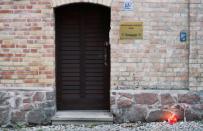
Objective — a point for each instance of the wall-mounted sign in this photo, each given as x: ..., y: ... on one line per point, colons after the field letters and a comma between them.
x: 128, y: 5
x: 183, y: 36
x: 131, y: 30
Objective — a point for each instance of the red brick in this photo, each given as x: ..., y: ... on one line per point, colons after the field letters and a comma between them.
x: 6, y: 55
x: 8, y: 46
x: 6, y: 77
x: 48, y: 46
x: 31, y: 81
x: 21, y: 46
x: 26, y: 50
x: 5, y: 11
x: 6, y: 3
x: 35, y: 28
x: 33, y: 50
x: 17, y: 59
x: 29, y: 6
x: 20, y: 55
x: 50, y: 76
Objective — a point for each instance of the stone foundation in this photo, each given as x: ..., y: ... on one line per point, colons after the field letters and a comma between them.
x: 149, y: 105
x: 33, y: 107
x: 37, y: 107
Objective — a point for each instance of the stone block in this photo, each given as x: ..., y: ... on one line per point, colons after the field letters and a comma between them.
x: 27, y: 107
x: 127, y: 95
x: 4, y: 97
x: 36, y: 116
x: 18, y: 116
x: 197, y: 109
x: 50, y: 95
x: 158, y: 115
x: 27, y: 100
x: 49, y: 113
x: 167, y: 99
x: 189, y: 98
x: 39, y: 96
x: 146, y: 98
x: 124, y: 102
x: 4, y: 115
x: 178, y: 110
x: 190, y: 115
x: 113, y: 100
x: 18, y: 101
x: 46, y: 104
x: 135, y: 113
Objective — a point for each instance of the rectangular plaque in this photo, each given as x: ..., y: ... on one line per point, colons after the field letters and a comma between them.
x: 131, y: 30
x: 183, y: 36
x: 128, y: 5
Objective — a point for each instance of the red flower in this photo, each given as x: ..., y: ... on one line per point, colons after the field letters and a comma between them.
x: 172, y: 119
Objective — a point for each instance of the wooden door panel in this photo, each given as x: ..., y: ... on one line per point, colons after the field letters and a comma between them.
x: 82, y: 77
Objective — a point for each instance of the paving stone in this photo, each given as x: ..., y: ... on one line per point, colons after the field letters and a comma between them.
x: 139, y: 126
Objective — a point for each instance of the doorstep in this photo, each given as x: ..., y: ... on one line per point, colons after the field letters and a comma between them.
x: 82, y: 117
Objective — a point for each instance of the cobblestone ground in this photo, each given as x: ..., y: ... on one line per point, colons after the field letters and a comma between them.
x: 154, y: 126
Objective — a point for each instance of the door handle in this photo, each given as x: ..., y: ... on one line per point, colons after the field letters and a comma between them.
x: 106, y: 44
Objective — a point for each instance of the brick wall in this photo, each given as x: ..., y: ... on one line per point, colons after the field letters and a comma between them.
x: 26, y: 43
x: 196, y: 45
x: 160, y: 60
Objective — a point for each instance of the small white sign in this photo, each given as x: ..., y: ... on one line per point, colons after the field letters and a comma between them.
x: 128, y: 5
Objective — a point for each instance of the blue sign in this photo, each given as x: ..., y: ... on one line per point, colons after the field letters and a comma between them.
x: 128, y: 5
x: 183, y: 36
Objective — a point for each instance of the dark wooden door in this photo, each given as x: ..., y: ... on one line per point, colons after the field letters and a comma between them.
x: 82, y: 57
